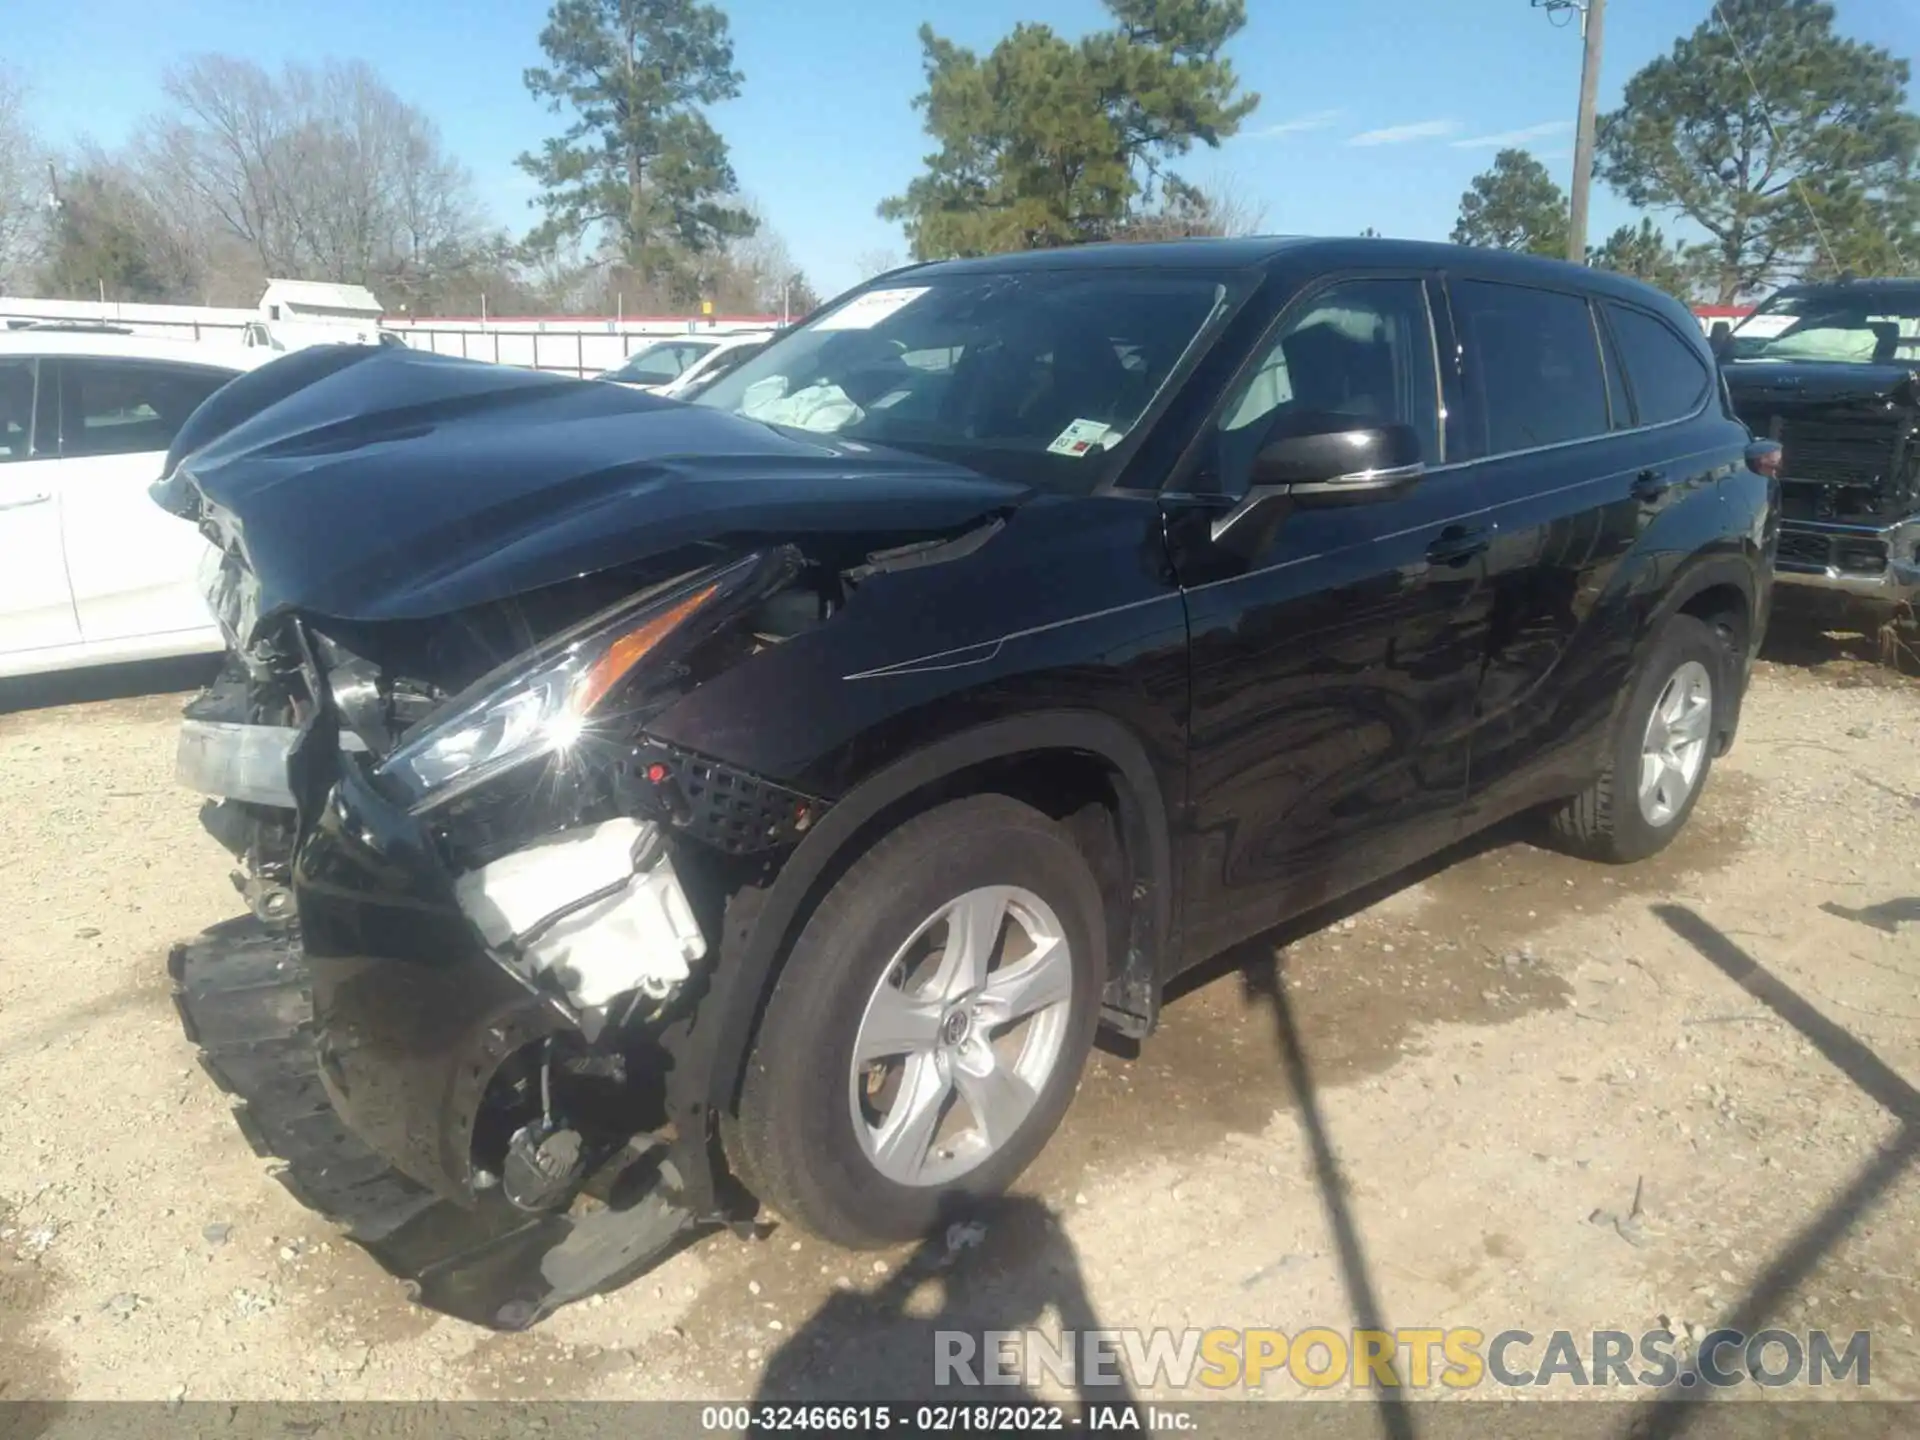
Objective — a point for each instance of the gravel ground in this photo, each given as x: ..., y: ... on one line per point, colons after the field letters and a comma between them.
x: 1434, y: 1110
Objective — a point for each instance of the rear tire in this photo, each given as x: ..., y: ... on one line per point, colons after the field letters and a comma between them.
x: 836, y: 1145
x: 1656, y: 767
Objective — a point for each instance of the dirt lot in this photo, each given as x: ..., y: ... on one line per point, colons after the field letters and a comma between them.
x: 1431, y: 1111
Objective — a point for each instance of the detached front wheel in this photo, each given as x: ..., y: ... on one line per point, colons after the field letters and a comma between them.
x: 930, y: 1027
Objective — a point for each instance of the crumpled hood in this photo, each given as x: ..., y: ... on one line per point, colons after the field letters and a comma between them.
x: 1808, y: 380
x: 385, y: 483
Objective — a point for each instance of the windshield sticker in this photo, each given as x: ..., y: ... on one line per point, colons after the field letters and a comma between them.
x: 1080, y: 437
x: 868, y: 310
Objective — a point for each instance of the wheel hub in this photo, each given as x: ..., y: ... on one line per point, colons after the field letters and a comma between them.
x: 956, y: 1028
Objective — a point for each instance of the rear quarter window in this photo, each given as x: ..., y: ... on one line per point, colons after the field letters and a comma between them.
x: 1667, y: 375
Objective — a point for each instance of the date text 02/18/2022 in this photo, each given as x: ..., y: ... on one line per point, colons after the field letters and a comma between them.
x: 881, y: 1418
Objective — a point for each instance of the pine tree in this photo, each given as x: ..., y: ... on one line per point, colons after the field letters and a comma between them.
x: 1514, y: 206
x: 640, y: 164
x: 1785, y: 142
x: 1047, y: 141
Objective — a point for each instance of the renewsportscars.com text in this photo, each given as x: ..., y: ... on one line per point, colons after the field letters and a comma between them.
x: 1455, y: 1359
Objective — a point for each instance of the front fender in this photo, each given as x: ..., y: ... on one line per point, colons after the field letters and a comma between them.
x: 761, y: 920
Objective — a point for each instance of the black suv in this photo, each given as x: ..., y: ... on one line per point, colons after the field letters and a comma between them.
x: 765, y: 799
x: 1832, y: 372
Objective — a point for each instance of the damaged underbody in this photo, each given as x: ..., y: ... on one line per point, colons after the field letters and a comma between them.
x: 491, y: 893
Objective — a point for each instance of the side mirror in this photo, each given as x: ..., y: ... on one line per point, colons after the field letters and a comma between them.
x: 1331, y: 460
x: 1720, y: 338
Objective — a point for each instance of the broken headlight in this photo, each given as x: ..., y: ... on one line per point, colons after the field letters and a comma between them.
x: 542, y: 704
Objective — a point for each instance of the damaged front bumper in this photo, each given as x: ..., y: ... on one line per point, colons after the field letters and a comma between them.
x: 243, y: 994
x: 515, y: 1028
x: 232, y: 760
x: 1867, y: 562
x: 238, y: 764
x: 501, y: 929
x: 360, y: 1050
x: 425, y: 984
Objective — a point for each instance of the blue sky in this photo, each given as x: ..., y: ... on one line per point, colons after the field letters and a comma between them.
x: 1373, y: 112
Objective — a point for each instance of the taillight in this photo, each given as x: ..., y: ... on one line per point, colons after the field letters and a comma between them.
x: 1763, y: 458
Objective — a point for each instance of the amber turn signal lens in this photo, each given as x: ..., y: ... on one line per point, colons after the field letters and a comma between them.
x: 629, y: 650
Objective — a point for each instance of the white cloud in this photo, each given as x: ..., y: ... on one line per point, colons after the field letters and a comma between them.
x: 1318, y: 120
x: 1506, y: 139
x: 1401, y: 134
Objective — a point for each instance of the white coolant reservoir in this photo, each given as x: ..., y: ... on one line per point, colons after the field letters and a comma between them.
x: 640, y: 935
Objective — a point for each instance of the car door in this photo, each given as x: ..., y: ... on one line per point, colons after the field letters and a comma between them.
x: 1573, y: 485
x: 134, y: 568
x: 36, y: 600
x: 1333, y: 671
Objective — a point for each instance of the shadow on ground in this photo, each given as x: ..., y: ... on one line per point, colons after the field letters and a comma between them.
x: 1791, y: 1267
x: 920, y: 1333
x: 107, y: 682
x: 886, y: 1342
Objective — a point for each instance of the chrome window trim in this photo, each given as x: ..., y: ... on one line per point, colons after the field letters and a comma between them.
x: 1583, y: 440
x: 1439, y: 383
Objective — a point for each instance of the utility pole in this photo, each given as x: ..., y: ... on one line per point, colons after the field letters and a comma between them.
x: 1593, y: 15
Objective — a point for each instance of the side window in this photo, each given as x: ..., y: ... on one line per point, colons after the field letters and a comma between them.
x: 16, y: 409
x: 1538, y: 363
x: 128, y: 407
x: 1360, y: 349
x: 1668, y: 377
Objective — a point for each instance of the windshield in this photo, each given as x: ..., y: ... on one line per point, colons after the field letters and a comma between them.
x: 1850, y: 327
x: 660, y: 362
x: 1031, y: 376
x: 725, y: 363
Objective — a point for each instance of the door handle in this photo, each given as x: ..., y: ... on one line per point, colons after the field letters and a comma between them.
x: 23, y: 501
x: 1650, y: 485
x: 1457, y: 544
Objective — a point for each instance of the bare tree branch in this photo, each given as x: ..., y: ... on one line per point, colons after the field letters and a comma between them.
x: 22, y: 188
x: 321, y: 172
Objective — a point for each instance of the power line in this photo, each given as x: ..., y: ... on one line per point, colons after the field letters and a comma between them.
x: 1766, y: 116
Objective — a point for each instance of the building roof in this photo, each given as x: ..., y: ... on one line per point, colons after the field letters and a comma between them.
x: 321, y: 294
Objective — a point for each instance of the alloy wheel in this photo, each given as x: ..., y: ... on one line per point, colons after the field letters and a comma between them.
x: 1673, y: 752
x: 961, y: 1035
